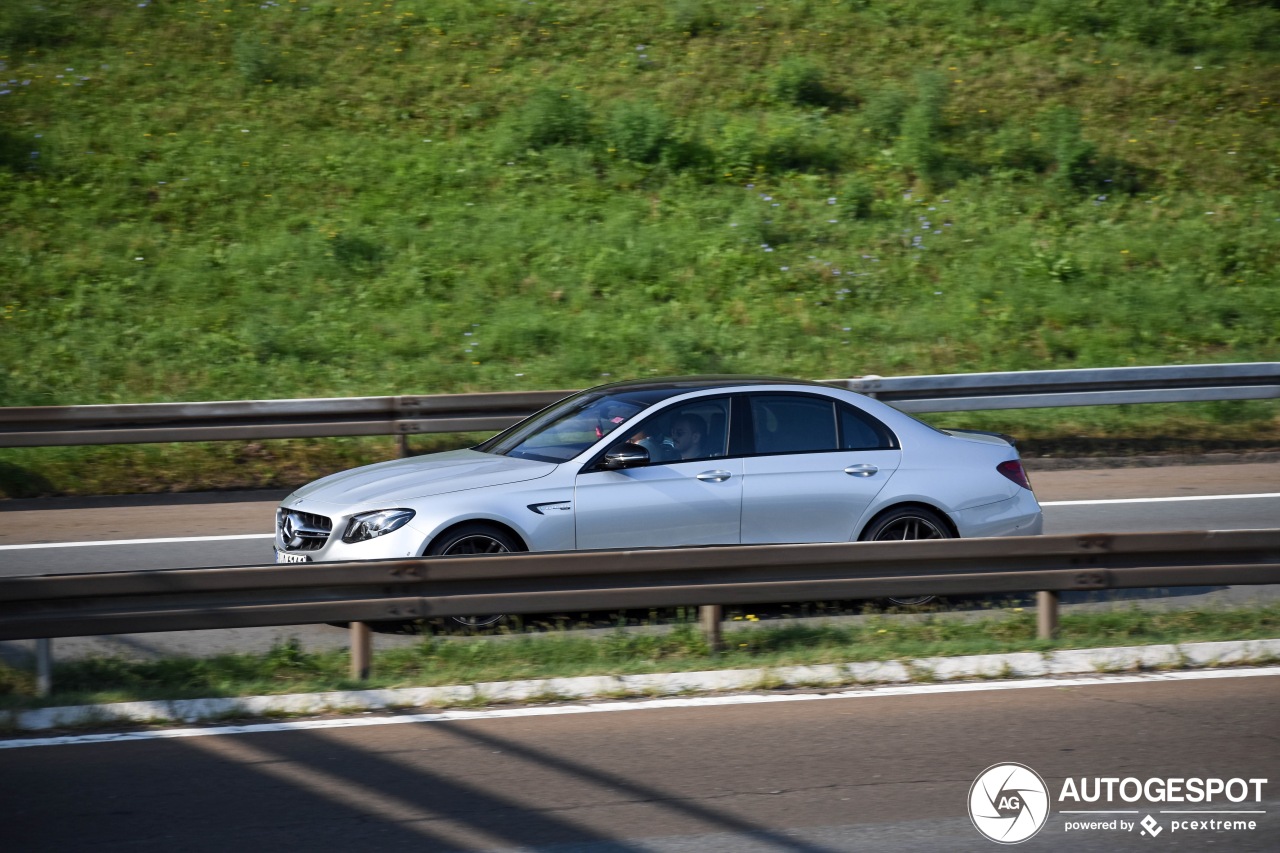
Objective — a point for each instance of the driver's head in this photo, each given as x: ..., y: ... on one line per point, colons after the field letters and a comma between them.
x: 687, y: 432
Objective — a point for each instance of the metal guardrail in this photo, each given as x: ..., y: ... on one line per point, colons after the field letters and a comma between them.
x: 547, y: 582
x: 43, y: 607
x: 1051, y: 388
x: 44, y: 426
x: 141, y: 423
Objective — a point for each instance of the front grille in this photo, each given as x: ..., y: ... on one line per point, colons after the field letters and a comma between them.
x: 302, y: 531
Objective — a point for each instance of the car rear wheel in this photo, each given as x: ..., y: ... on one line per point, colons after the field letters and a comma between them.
x: 908, y: 524
x: 471, y: 540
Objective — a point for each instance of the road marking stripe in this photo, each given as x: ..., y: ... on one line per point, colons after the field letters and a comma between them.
x: 638, y: 705
x: 137, y: 541
x: 1106, y: 501
x: 246, y: 536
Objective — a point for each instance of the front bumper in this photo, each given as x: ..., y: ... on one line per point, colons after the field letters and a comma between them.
x: 405, y: 542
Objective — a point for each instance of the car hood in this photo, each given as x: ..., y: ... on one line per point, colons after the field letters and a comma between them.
x: 387, y: 484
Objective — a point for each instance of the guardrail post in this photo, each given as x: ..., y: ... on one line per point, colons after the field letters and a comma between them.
x: 711, y: 616
x: 1046, y: 615
x: 44, y: 666
x: 361, y: 651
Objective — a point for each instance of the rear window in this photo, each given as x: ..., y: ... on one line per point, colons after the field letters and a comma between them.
x: 796, y: 423
x: 793, y: 424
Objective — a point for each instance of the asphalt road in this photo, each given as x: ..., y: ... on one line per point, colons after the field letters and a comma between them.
x: 229, y: 529
x: 877, y: 771
x: 885, y: 769
x: 181, y: 531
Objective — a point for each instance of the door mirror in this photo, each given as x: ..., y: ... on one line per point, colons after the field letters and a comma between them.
x: 625, y: 455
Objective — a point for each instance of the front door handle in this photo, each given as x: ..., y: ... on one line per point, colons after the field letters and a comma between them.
x: 861, y: 470
x: 714, y: 476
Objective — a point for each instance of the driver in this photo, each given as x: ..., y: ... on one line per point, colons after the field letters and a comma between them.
x: 688, y: 432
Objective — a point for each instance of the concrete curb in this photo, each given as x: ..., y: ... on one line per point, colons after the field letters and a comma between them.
x: 1009, y: 666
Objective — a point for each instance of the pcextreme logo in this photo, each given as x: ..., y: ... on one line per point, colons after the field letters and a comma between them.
x: 1009, y: 803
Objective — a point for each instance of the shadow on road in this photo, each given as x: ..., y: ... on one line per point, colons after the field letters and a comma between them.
x: 439, y: 787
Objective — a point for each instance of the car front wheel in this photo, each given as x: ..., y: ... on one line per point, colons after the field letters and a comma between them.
x: 908, y: 524
x: 472, y: 540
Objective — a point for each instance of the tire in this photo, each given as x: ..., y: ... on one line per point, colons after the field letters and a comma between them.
x: 471, y: 540
x: 908, y: 523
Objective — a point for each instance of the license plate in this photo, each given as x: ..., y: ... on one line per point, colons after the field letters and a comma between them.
x: 283, y: 557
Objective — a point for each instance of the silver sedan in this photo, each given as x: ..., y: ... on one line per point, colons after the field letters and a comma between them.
x: 663, y: 463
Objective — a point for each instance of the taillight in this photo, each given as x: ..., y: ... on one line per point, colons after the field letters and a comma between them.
x: 1014, y: 471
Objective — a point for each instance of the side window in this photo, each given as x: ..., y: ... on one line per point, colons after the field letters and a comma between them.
x: 859, y: 431
x: 694, y: 430
x: 784, y: 423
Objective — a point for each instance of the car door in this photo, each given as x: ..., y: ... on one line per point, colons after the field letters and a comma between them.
x: 815, y: 466
x: 671, y: 501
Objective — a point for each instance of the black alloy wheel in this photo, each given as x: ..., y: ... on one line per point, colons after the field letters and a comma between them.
x: 473, y: 540
x: 908, y: 524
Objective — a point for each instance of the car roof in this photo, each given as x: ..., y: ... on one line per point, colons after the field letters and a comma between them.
x: 703, y: 383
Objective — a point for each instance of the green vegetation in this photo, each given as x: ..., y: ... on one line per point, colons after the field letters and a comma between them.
x: 219, y: 199
x: 288, y: 668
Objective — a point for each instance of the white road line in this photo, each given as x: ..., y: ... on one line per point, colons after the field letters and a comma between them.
x: 1161, y: 500
x: 246, y: 536
x: 136, y: 542
x: 636, y: 705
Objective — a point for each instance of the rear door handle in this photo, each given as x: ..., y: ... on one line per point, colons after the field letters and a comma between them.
x: 861, y: 470
x: 714, y: 476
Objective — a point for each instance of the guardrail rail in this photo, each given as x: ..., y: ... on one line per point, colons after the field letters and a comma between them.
x: 47, y: 426
x: 68, y: 605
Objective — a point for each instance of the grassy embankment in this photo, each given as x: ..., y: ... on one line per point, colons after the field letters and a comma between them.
x: 289, y: 668
x: 243, y: 200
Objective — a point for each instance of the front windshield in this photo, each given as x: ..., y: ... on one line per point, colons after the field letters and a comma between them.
x: 572, y: 425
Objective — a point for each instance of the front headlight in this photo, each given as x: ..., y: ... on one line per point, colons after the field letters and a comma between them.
x: 371, y: 525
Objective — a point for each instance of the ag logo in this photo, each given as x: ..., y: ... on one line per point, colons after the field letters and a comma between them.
x: 1008, y: 803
